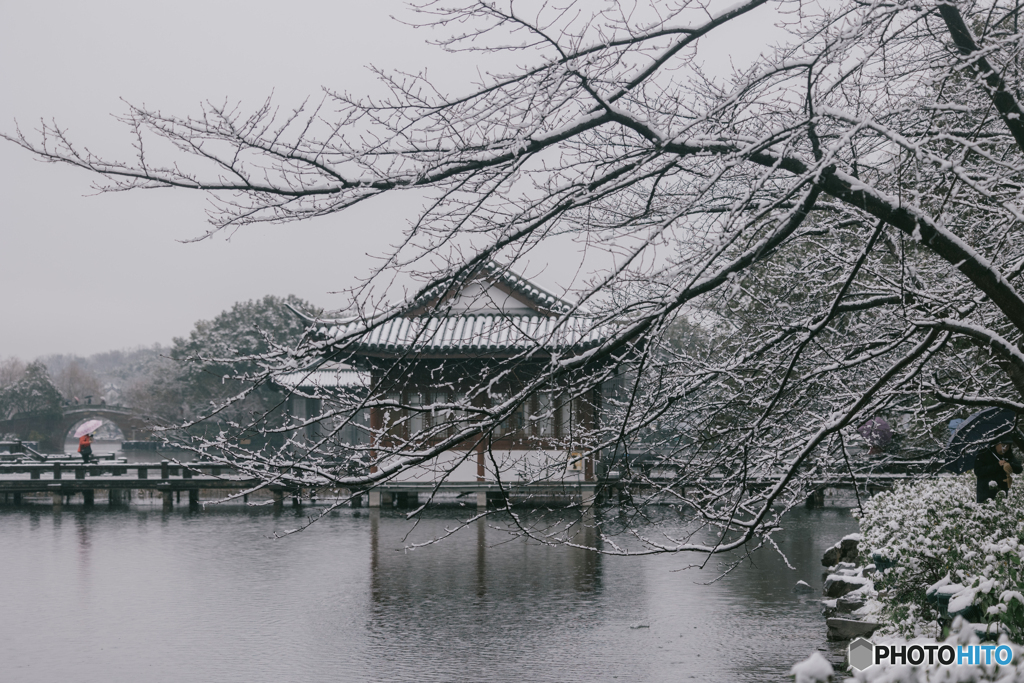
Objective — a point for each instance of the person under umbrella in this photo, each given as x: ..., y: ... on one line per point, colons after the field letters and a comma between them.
x: 993, y: 467
x: 984, y: 442
x: 84, y: 434
x: 85, y: 447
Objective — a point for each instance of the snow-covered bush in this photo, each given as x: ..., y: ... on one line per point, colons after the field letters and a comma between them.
x: 962, y: 634
x: 930, y: 541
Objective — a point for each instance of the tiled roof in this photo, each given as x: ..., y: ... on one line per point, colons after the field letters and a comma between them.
x: 330, y: 378
x: 473, y: 333
x: 543, y: 300
x: 517, y: 283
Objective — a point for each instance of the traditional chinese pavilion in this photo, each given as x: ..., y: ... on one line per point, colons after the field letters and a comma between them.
x: 474, y: 348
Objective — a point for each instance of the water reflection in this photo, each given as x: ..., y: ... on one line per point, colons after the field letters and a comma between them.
x: 489, y: 602
x: 346, y: 600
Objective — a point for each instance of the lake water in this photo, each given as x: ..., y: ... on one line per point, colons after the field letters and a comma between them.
x: 141, y: 595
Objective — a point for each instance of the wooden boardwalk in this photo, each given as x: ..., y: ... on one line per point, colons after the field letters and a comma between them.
x: 63, y: 478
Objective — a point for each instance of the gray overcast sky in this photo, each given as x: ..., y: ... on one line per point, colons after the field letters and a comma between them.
x: 83, y: 273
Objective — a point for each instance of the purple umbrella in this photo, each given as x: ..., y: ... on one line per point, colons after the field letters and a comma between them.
x: 876, y: 431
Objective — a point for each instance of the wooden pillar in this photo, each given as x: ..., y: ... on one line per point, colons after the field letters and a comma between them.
x: 373, y: 498
x: 357, y: 501
x: 35, y: 474
x: 143, y: 473
x: 193, y: 499
x: 17, y: 498
x: 89, y: 497
x: 588, y: 495
x: 165, y: 469
x: 386, y: 499
x: 56, y: 470
x: 816, y: 499
x: 481, y: 500
x: 168, y: 499
x: 114, y: 497
x: 278, y: 500
x: 58, y: 501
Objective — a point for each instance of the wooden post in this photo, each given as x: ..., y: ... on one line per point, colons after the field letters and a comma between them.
x: 35, y: 474
x: 17, y: 498
x: 278, y: 500
x: 357, y: 501
x: 193, y: 499
x: 143, y: 473
x: 56, y: 470
x: 186, y: 473
x: 114, y: 497
x: 58, y: 501
x: 165, y: 468
x: 168, y: 499
x: 588, y: 495
x: 481, y: 500
x: 89, y: 497
x: 373, y: 499
x: 386, y: 499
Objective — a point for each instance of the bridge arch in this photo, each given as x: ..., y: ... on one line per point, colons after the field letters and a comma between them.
x: 106, y: 429
x: 50, y: 428
x: 134, y: 427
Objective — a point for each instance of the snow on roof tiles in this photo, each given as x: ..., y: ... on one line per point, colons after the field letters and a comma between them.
x: 473, y: 333
x: 334, y: 378
x: 543, y: 300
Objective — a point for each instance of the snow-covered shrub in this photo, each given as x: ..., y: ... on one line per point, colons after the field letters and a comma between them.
x: 933, y: 535
x: 962, y: 634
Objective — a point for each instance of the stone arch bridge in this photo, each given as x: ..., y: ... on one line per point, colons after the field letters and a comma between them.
x: 50, y: 428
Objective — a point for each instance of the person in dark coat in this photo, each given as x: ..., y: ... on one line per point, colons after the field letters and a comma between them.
x: 993, y: 466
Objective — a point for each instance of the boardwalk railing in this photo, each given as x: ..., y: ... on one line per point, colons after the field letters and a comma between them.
x: 65, y: 478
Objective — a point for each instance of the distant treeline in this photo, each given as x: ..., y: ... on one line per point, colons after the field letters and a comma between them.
x: 171, y: 383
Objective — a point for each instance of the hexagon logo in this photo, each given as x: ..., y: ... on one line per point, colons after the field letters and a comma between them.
x: 860, y: 653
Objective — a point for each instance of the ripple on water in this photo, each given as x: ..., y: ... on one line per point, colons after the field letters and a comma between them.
x: 131, y: 595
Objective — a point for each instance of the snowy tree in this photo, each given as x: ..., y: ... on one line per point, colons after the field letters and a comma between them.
x: 32, y: 392
x: 839, y: 223
x: 205, y: 377
x: 73, y: 378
